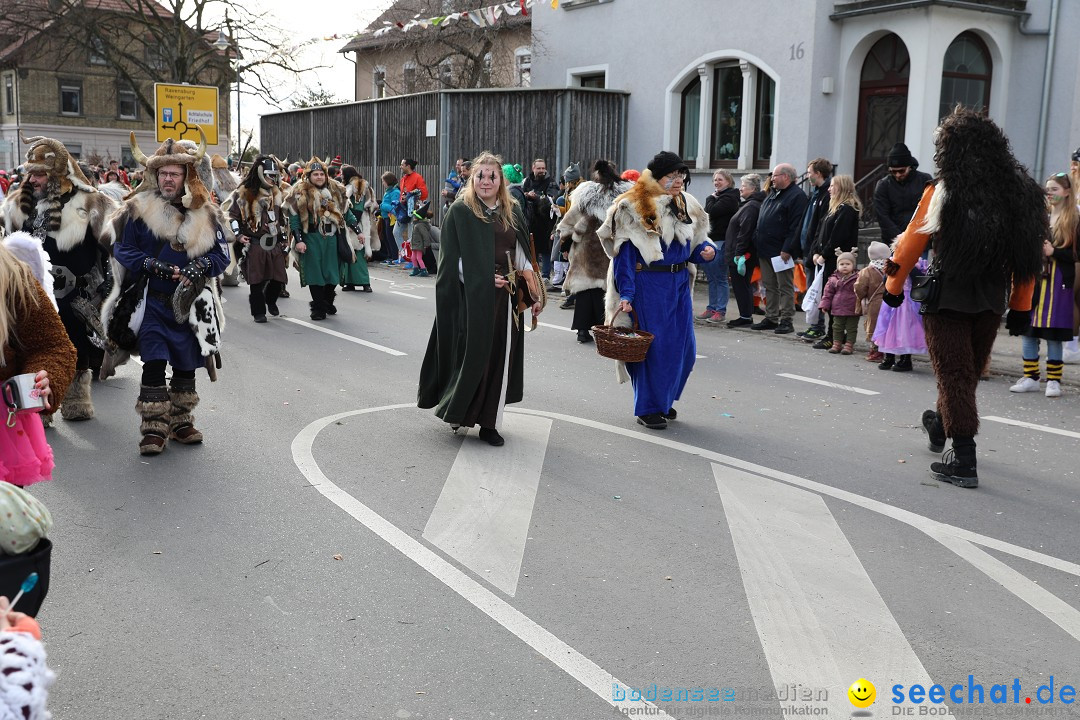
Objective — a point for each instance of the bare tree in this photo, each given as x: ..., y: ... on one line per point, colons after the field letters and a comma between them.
x: 169, y: 41
x: 315, y: 97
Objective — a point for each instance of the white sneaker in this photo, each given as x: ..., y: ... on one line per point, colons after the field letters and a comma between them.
x: 1026, y: 384
x: 1071, y: 357
x: 1053, y: 388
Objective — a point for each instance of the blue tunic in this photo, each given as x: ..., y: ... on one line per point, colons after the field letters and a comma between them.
x: 160, y: 336
x: 663, y: 306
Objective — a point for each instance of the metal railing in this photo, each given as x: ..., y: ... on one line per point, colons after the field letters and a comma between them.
x: 864, y: 188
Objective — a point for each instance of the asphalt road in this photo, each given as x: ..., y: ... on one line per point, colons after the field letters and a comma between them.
x: 331, y: 551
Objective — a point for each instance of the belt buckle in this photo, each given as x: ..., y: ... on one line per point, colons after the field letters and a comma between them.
x: 674, y: 269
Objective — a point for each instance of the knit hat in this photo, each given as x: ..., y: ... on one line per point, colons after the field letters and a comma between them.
x: 572, y: 173
x: 666, y: 162
x: 512, y: 173
x: 631, y: 175
x: 336, y: 162
x: 900, y: 156
x: 1076, y: 155
x: 842, y: 256
x: 878, y: 251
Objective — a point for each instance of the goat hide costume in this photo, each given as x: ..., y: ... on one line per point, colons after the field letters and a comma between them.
x: 361, y: 198
x: 589, y: 203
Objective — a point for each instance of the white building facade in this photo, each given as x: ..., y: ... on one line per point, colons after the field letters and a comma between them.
x: 746, y: 85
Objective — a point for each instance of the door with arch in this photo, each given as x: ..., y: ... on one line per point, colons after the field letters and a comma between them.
x: 883, y: 93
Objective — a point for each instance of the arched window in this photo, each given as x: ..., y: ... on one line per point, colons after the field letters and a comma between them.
x: 965, y: 78
x: 734, y: 102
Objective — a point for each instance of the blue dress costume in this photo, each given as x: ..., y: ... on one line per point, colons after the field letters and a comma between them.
x: 663, y: 306
x: 160, y: 336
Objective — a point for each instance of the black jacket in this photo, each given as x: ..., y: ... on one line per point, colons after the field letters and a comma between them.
x: 895, y: 203
x: 740, y: 231
x: 780, y: 222
x: 816, y: 208
x: 538, y: 211
x: 838, y: 231
x: 721, y: 207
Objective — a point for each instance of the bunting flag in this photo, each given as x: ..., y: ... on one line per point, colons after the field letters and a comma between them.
x: 554, y: 4
x: 482, y: 17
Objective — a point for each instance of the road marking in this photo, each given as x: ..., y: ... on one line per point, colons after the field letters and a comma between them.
x: 826, y: 383
x: 382, y: 279
x: 817, y: 612
x: 579, y: 667
x: 555, y: 327
x: 483, y: 515
x: 1032, y: 426
x: 417, y: 297
x: 343, y: 336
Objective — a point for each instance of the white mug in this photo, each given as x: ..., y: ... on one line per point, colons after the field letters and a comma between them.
x: 20, y: 395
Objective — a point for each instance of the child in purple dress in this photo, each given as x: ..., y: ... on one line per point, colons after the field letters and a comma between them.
x: 899, y: 332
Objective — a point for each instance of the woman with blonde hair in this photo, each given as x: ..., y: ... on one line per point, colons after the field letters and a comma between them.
x: 32, y: 341
x: 838, y: 233
x: 474, y: 363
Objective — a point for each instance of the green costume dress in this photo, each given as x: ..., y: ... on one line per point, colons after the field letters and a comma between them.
x: 356, y: 273
x: 474, y: 362
x: 320, y: 264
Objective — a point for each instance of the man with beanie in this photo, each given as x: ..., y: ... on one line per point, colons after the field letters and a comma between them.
x: 778, y: 229
x: 897, y: 195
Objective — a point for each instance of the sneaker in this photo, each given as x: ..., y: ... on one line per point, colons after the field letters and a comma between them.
x: 812, y: 334
x: 740, y: 322
x: 949, y: 470
x: 407, y: 266
x: 1053, y: 388
x: 823, y: 344
x: 415, y: 272
x: 1025, y: 384
x: 423, y: 273
x: 671, y: 414
x: 583, y: 336
x: 704, y: 314
x: 765, y: 324
x: 568, y: 304
x: 716, y: 318
x: 654, y: 421
x: 784, y: 328
x: 935, y: 433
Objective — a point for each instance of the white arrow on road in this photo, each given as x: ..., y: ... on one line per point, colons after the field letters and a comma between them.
x: 483, y: 514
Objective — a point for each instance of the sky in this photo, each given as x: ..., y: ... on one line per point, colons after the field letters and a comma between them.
x: 309, y: 19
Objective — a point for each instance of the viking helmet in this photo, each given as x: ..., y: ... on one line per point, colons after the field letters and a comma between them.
x: 269, y: 174
x: 315, y: 165
x: 185, y: 153
x: 49, y: 156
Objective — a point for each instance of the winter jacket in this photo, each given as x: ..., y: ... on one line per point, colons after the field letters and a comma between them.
x: 780, y: 222
x: 389, y: 202
x: 816, y: 209
x: 721, y: 207
x: 739, y: 239
x: 839, y: 298
x: 895, y: 202
x: 838, y: 231
x: 869, y: 288
x: 538, y: 210
x: 413, y: 181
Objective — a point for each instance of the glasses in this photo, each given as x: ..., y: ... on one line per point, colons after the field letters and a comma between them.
x: 898, y: 171
x: 170, y: 175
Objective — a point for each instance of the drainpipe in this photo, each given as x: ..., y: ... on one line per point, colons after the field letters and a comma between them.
x: 1044, y: 105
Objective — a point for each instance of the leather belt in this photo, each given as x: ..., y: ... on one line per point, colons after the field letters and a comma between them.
x: 678, y: 267
x: 162, y: 296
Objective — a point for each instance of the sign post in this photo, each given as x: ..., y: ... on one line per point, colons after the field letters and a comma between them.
x: 180, y: 110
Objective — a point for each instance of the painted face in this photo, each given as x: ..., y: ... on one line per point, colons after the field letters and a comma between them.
x: 486, y: 180
x: 1055, y: 191
x: 673, y: 182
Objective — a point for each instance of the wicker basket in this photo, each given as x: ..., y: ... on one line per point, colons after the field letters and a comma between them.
x: 622, y: 343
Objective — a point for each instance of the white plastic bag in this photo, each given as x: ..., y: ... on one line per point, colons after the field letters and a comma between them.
x: 813, y: 296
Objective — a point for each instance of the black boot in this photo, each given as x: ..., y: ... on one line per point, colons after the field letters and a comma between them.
x: 958, y: 465
x: 491, y: 436
x: 318, y: 307
x: 888, y: 362
x: 903, y: 364
x: 935, y: 431
x: 328, y: 299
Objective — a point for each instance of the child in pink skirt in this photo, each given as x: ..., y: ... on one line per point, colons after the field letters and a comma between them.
x: 899, y: 332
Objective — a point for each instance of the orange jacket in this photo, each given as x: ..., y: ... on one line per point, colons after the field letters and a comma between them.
x: 911, y: 245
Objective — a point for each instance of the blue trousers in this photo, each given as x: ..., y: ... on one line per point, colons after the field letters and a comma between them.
x: 716, y: 272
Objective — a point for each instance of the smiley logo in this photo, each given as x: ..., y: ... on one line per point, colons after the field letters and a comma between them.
x: 862, y: 693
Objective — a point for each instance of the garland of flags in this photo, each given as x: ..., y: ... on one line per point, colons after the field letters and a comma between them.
x: 482, y: 17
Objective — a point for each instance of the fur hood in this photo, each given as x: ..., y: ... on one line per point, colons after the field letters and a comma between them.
x: 194, y: 231
x: 313, y: 204
x: 69, y: 216
x: 644, y: 214
x: 249, y: 202
x: 589, y: 203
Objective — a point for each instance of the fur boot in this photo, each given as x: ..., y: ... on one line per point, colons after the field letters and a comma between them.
x: 153, y: 408
x: 77, y: 404
x: 183, y: 399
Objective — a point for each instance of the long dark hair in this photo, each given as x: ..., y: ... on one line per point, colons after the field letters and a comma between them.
x: 251, y: 180
x: 994, y: 216
x: 605, y: 173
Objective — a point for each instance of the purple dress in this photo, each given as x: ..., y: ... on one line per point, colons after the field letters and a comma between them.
x: 899, y: 330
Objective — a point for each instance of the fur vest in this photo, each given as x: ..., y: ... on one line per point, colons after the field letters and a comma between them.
x: 68, y: 218
x: 314, y: 205
x: 589, y: 203
x: 359, y: 191
x: 193, y: 231
x: 251, y: 204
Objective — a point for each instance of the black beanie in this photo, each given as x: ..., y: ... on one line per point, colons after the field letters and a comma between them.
x: 666, y: 162
x: 900, y: 156
x: 1076, y: 155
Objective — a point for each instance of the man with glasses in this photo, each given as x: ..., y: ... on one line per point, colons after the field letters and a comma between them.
x: 778, y: 236
x: 897, y: 194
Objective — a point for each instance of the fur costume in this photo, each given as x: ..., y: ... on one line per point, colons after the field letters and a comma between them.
x: 315, y: 205
x: 358, y: 190
x: 184, y: 153
x: 642, y: 216
x: 224, y: 181
x: 589, y: 203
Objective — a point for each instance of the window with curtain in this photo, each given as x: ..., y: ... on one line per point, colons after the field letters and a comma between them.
x: 966, y: 74
x: 740, y: 117
x: 764, y: 120
x: 691, y: 121
x: 727, y: 115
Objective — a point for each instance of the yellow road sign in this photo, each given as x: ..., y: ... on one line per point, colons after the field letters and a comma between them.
x: 180, y: 110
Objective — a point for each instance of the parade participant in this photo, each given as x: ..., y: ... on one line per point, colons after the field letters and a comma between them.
x: 170, y: 239
x: 978, y: 254
x: 224, y: 179
x: 58, y: 205
x: 474, y: 364
x: 33, y: 340
x: 258, y: 222
x: 651, y: 232
x: 587, y: 277
x: 318, y: 213
x: 1052, y: 315
x: 362, y: 237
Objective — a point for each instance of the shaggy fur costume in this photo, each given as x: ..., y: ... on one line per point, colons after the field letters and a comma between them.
x: 959, y: 345
x: 69, y: 217
x: 641, y: 216
x: 359, y: 190
x: 314, y: 205
x: 184, y: 153
x: 589, y: 203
